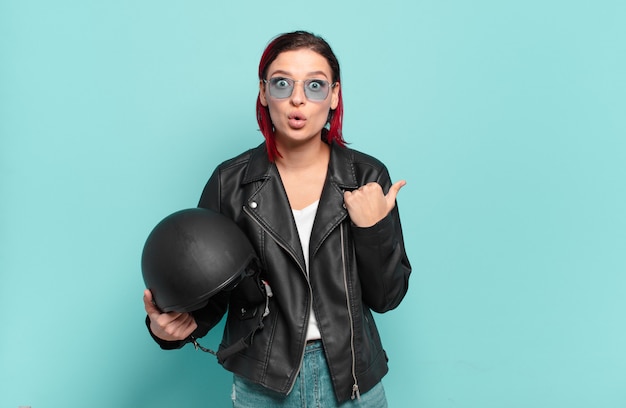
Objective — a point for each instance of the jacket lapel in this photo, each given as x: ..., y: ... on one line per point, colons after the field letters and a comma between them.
x: 331, y: 211
x: 269, y: 205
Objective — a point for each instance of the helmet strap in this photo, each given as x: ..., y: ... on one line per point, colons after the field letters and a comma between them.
x: 245, y: 341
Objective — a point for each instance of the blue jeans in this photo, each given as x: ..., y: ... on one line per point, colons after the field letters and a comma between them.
x: 313, y: 388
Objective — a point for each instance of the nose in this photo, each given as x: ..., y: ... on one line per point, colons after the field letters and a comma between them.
x: 297, y: 95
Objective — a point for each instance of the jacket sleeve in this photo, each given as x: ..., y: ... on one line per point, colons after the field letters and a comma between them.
x: 382, y: 262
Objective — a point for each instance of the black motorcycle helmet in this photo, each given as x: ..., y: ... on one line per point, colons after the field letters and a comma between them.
x: 193, y: 254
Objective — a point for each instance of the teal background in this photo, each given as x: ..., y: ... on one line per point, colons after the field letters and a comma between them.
x: 507, y: 119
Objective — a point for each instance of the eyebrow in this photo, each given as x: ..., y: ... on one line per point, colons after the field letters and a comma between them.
x: 313, y: 73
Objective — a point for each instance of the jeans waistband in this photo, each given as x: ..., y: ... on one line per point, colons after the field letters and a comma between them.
x: 312, y: 345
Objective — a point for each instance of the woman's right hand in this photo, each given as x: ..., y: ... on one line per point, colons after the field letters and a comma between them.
x: 170, y: 326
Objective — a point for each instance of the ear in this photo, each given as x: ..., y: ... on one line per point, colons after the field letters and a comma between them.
x: 262, y: 97
x: 335, y: 96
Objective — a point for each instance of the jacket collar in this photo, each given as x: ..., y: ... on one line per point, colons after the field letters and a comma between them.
x: 272, y: 206
x: 340, y: 168
x: 258, y: 165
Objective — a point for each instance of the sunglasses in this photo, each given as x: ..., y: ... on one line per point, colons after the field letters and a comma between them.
x: 314, y: 89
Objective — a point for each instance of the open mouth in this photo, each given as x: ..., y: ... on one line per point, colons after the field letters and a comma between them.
x: 296, y: 116
x: 296, y: 120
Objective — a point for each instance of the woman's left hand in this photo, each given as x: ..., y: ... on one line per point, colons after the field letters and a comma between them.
x: 367, y: 205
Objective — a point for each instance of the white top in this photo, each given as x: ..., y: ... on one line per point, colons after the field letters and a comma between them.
x: 304, y: 221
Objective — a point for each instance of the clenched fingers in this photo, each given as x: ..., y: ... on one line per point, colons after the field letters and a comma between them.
x: 168, y: 326
x: 368, y: 204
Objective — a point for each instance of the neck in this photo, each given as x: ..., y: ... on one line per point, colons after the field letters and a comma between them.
x: 303, y: 156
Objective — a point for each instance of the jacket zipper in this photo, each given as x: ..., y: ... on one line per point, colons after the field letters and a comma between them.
x: 294, y: 256
x: 355, y: 387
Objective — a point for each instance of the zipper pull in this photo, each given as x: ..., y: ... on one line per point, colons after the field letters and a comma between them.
x: 355, y: 392
x: 268, y: 295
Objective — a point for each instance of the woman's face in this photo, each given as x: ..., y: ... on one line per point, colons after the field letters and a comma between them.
x: 298, y: 118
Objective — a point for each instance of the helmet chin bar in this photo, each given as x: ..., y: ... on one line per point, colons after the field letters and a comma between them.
x: 248, y: 281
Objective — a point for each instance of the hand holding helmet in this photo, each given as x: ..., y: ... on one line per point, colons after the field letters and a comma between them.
x: 170, y: 326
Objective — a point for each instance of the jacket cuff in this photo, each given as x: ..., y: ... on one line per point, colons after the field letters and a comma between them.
x: 380, y: 232
x: 165, y: 344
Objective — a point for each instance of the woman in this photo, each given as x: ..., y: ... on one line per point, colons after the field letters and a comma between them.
x: 323, y: 221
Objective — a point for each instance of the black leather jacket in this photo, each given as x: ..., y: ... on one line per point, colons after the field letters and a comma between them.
x: 352, y: 271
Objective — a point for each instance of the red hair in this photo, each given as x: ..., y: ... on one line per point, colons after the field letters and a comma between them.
x: 332, y: 132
